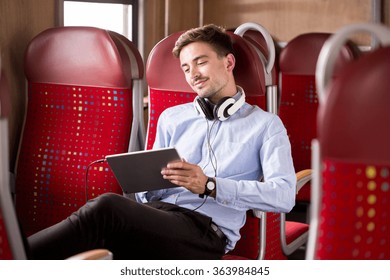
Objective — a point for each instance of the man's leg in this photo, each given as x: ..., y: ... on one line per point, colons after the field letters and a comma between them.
x: 131, y: 231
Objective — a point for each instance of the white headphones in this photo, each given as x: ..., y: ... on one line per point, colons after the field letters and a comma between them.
x: 225, y: 108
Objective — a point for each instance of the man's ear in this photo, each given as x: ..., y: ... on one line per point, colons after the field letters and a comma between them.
x: 231, y: 62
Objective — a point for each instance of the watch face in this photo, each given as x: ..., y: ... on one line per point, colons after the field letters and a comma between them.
x: 210, y: 185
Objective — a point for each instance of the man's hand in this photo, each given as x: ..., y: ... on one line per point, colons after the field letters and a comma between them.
x: 187, y: 175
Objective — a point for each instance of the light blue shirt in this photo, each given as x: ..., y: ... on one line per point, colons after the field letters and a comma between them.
x: 249, y: 146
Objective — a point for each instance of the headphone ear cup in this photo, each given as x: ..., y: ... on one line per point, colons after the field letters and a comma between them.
x: 221, y: 109
x: 204, y: 108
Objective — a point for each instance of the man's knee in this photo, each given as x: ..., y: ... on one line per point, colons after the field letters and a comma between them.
x: 98, y: 207
x: 105, y: 201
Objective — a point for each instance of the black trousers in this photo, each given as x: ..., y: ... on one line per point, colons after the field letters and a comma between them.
x: 130, y: 230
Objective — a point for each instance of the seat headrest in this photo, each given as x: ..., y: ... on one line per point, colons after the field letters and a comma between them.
x: 78, y: 56
x: 353, y: 122
x: 300, y: 55
x: 327, y: 60
x: 163, y: 70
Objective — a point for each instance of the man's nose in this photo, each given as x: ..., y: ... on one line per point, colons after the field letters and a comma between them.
x: 194, y: 74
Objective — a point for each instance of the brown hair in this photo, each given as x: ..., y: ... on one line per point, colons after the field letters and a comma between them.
x: 212, y: 34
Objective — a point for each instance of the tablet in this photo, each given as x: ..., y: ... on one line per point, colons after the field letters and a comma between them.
x: 141, y: 171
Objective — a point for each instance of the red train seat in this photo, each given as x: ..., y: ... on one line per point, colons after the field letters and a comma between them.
x: 351, y: 156
x: 79, y: 110
x: 260, y: 236
x: 298, y: 96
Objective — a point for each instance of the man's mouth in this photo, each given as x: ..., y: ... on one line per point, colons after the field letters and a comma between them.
x: 199, y: 83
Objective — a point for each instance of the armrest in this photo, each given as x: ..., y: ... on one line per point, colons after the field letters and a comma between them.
x: 97, y: 254
x: 303, y: 177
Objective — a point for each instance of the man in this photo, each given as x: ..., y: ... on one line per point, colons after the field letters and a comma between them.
x: 227, y: 145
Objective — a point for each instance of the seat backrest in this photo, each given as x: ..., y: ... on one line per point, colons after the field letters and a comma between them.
x: 298, y: 97
x: 352, y: 159
x: 172, y: 89
x: 79, y: 110
x: 272, y: 225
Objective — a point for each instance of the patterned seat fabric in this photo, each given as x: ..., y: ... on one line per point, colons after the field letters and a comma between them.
x: 298, y: 96
x: 68, y: 128
x: 355, y: 211
x: 249, y: 244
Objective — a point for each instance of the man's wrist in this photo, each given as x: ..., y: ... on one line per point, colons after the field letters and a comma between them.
x: 210, y: 187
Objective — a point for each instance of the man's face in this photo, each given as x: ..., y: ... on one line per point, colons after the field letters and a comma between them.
x: 204, y: 71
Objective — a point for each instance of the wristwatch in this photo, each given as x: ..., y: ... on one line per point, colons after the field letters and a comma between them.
x: 209, y: 187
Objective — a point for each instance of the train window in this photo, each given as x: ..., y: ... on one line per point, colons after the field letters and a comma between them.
x: 116, y: 15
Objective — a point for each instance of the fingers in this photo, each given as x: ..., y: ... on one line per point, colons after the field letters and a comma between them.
x: 176, y: 168
x: 182, y: 169
x: 177, y: 177
x: 179, y: 165
x: 184, y: 174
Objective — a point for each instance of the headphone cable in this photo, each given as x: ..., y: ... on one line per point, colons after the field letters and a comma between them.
x: 212, y: 156
x: 86, y: 176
